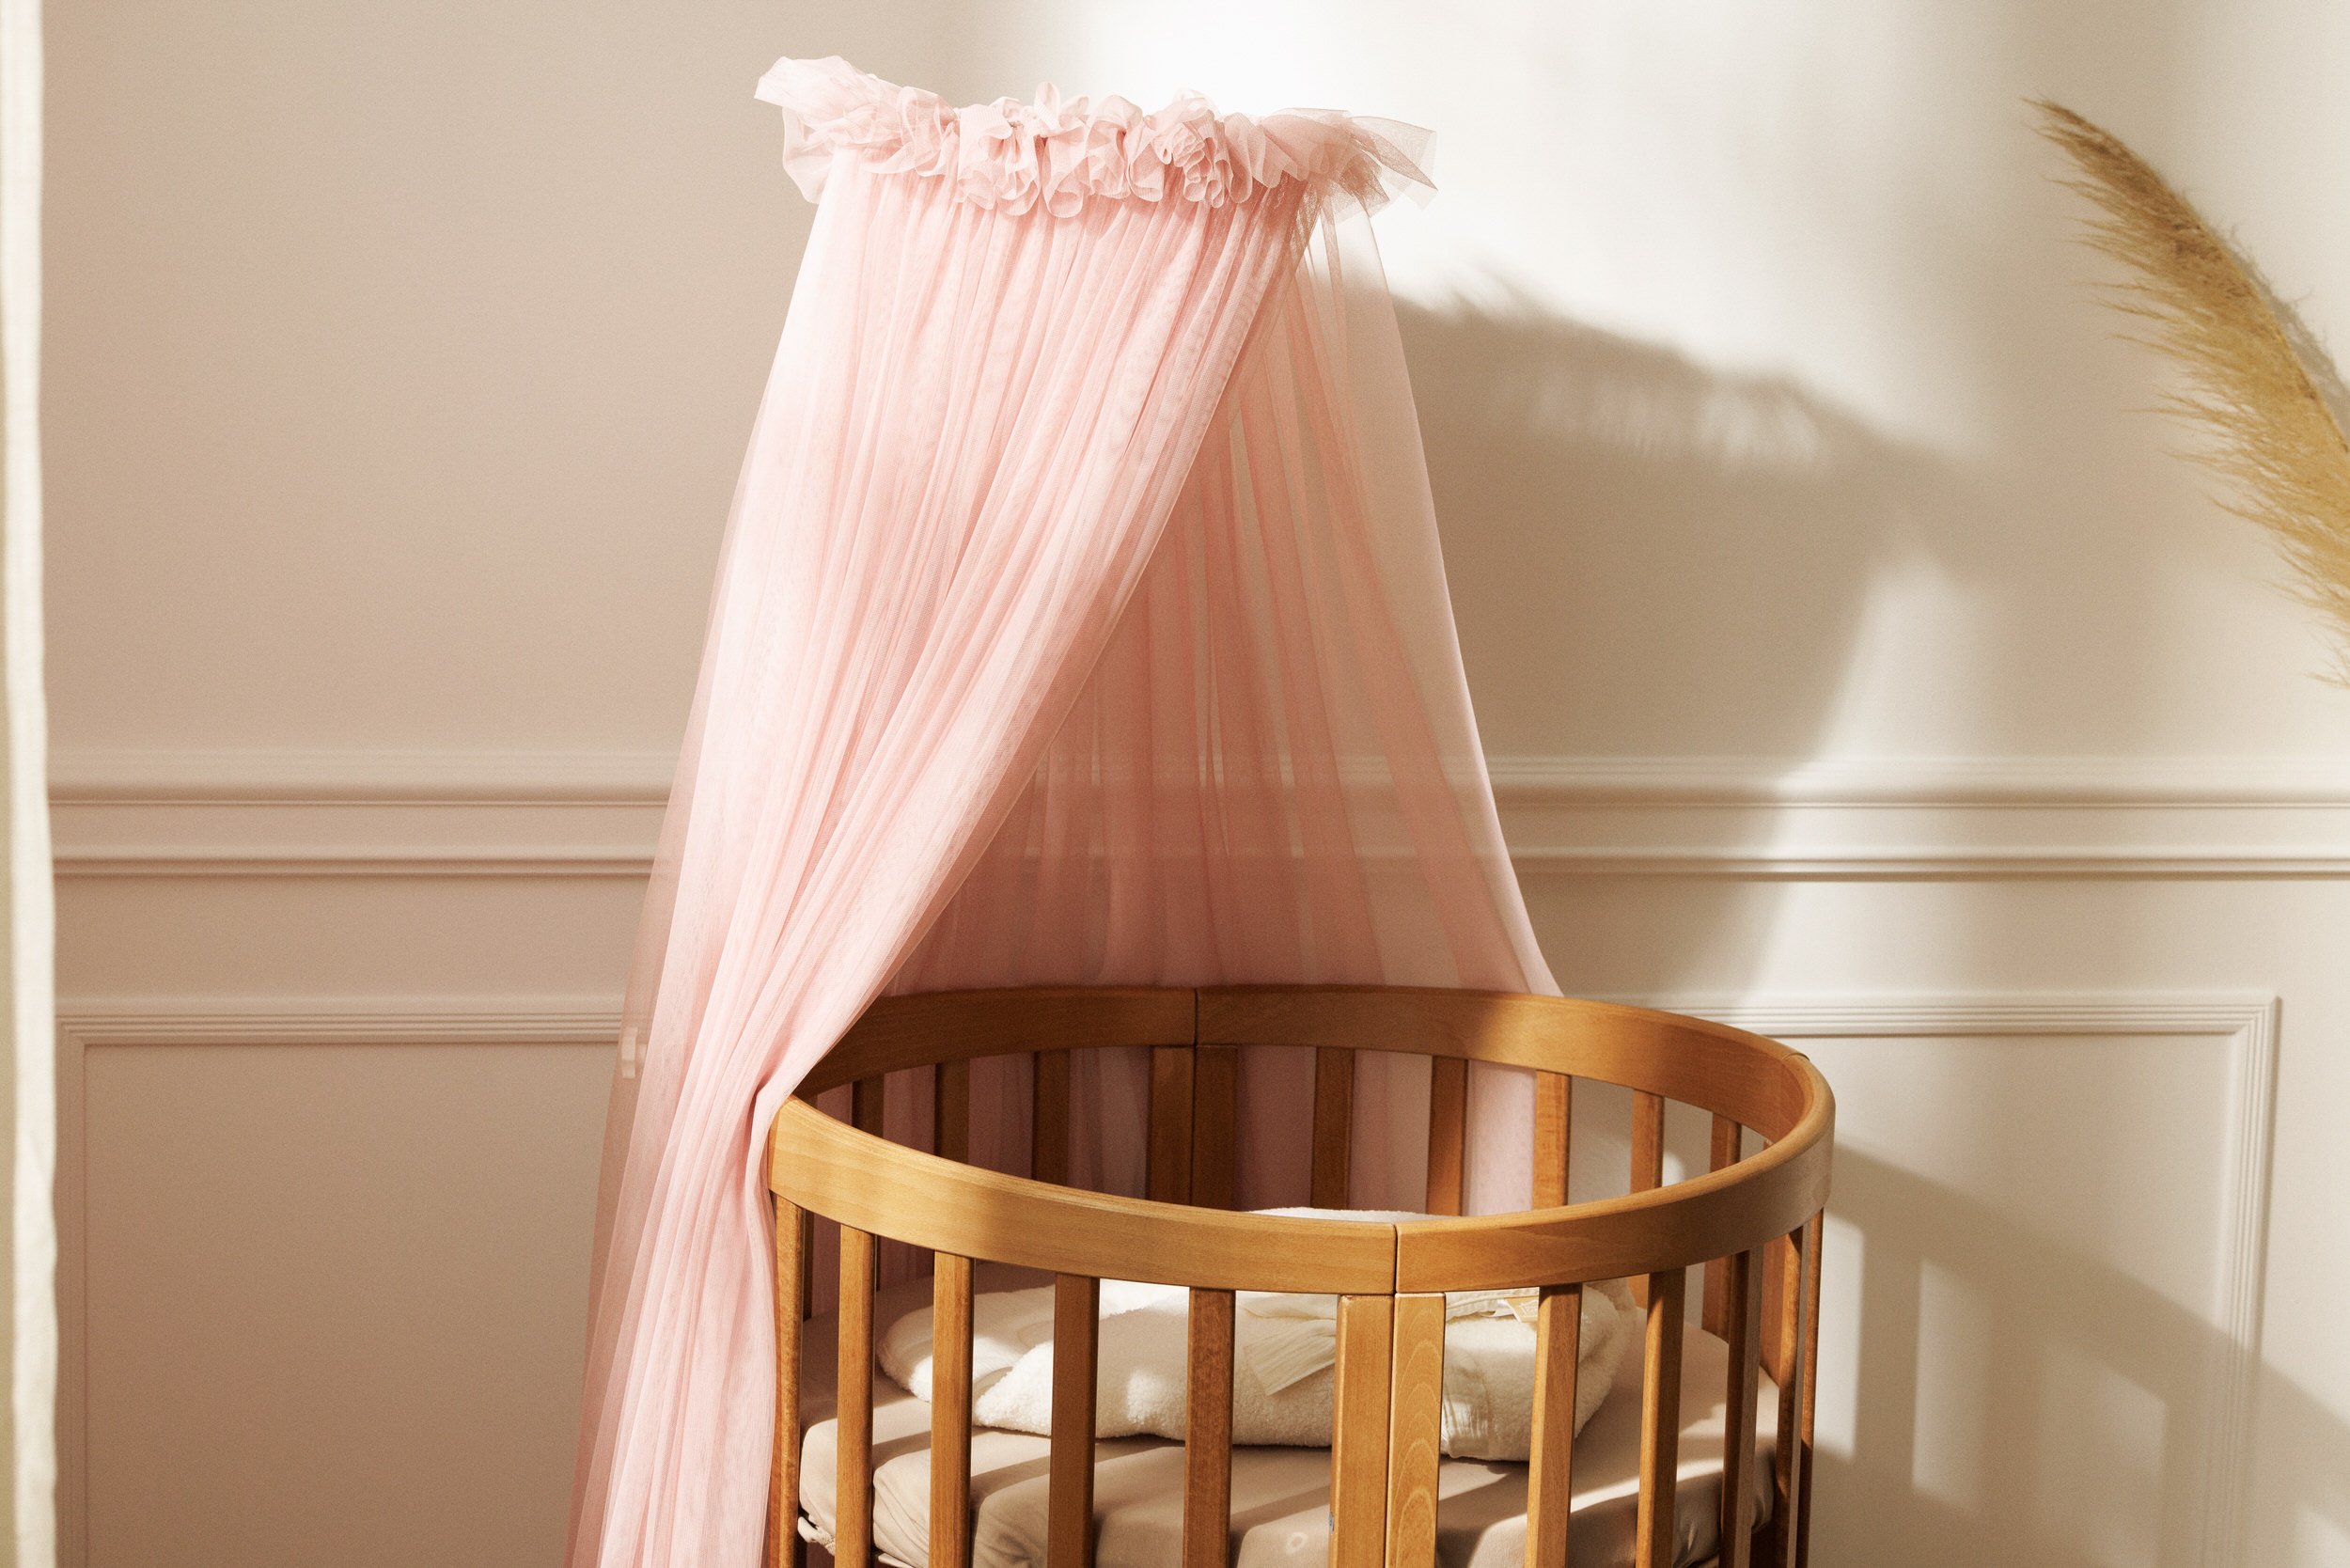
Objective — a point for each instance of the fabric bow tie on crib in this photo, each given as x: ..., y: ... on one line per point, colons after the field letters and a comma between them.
x: 1282, y: 1342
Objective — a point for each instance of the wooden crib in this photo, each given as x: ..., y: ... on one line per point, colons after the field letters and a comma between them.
x: 1752, y: 1221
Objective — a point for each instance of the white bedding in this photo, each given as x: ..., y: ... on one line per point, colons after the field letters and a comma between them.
x: 1282, y: 1346
x: 1280, y: 1496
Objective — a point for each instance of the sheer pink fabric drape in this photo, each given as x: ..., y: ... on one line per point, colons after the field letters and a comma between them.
x: 1274, y: 773
x: 1079, y: 618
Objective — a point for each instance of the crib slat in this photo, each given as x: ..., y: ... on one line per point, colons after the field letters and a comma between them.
x: 951, y: 1110
x: 1208, y: 1431
x: 1782, y: 1335
x: 1742, y: 1312
x: 1358, y: 1447
x: 1648, y: 1141
x: 1415, y: 1429
x: 784, y: 1547
x: 853, y: 1506
x: 1714, y: 1311
x: 1448, y: 1133
x: 950, y: 1412
x: 809, y: 1258
x: 1069, y: 1486
x: 1214, y: 1135
x: 1776, y: 1360
x: 869, y: 1110
x: 1334, y: 1127
x: 867, y: 1100
x: 1170, y: 1170
x: 1554, y: 1131
x: 1660, y: 1419
x: 1813, y: 1241
x: 1648, y: 1158
x: 1048, y: 1145
x: 1550, y: 1464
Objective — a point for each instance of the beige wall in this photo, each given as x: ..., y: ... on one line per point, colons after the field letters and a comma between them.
x: 1854, y: 660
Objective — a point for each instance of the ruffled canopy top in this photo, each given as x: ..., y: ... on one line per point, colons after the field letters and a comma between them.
x: 1014, y: 156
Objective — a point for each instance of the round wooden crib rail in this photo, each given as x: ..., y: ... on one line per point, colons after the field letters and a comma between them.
x: 862, y: 1180
x: 831, y: 1168
x: 1753, y: 1219
x: 1754, y: 1081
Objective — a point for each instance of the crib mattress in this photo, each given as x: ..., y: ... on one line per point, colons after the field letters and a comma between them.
x: 1280, y: 1496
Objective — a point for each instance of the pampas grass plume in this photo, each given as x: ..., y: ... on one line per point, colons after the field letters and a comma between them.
x: 2263, y: 404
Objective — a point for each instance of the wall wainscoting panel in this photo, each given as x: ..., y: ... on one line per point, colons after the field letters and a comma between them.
x: 2244, y: 1027
x: 322, y: 1277
x: 1959, y: 1268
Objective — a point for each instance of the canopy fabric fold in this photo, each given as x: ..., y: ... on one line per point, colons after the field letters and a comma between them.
x: 1080, y: 621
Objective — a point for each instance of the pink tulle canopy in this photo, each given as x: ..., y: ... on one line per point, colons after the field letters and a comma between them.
x: 1080, y: 621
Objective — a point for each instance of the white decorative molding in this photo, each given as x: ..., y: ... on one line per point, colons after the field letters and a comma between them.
x: 1898, y: 863
x: 2247, y: 1022
x: 282, y: 775
x: 259, y: 776
x: 84, y: 1025
x: 488, y: 814
x: 263, y: 814
x: 2103, y: 783
x: 333, y: 1021
x: 1861, y: 818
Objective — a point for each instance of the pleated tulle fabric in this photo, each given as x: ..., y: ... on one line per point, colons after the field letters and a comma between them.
x: 1080, y: 619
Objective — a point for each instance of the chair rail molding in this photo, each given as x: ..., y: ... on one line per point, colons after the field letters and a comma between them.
x: 595, y: 814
